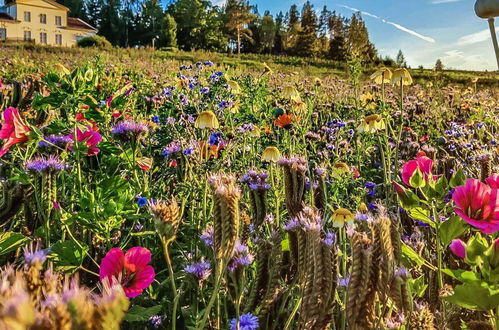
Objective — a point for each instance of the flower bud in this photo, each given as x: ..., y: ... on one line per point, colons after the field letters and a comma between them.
x: 458, y: 248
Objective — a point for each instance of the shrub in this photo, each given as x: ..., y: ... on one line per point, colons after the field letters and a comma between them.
x: 94, y: 41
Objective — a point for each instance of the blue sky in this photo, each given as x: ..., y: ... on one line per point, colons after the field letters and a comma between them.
x: 424, y: 30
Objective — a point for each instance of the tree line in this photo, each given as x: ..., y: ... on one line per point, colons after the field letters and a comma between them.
x: 237, y: 26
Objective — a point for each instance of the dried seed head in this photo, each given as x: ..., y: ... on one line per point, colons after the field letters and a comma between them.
x: 166, y: 216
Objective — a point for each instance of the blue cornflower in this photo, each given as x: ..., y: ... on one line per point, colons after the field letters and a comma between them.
x: 156, y: 321
x: 246, y: 322
x: 219, y: 73
x: 370, y: 185
x: 155, y: 119
x: 188, y: 151
x: 141, y: 201
x: 205, y: 90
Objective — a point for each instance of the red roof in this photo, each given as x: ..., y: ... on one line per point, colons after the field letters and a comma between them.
x: 77, y: 23
x: 6, y: 16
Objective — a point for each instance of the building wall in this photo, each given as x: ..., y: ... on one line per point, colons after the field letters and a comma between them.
x: 37, y: 8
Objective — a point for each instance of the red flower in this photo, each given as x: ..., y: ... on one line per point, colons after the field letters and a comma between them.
x: 13, y: 130
x: 493, y: 181
x: 423, y: 163
x: 131, y: 269
x: 478, y: 205
x: 91, y: 137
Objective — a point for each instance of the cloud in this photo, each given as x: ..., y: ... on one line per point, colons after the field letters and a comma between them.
x: 397, y: 26
x: 436, y: 2
x: 474, y: 38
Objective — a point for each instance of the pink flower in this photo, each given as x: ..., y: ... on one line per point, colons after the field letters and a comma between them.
x: 13, y: 130
x: 458, y: 247
x: 131, y: 269
x: 91, y: 137
x: 493, y: 181
x: 423, y: 163
x: 478, y: 205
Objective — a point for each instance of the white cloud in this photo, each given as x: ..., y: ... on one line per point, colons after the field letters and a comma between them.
x: 474, y: 38
x: 397, y: 26
x: 436, y: 2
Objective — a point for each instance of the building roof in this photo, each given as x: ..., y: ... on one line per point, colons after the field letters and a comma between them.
x: 76, y: 23
x: 6, y: 17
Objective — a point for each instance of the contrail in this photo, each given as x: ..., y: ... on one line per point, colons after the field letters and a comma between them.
x: 398, y: 26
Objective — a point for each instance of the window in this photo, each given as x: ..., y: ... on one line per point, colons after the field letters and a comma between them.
x: 27, y: 16
x: 27, y: 35
x: 43, y: 18
x: 58, y: 20
x: 58, y: 39
x: 3, y: 34
x: 43, y: 38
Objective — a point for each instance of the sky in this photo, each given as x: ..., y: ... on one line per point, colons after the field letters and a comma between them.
x: 425, y: 30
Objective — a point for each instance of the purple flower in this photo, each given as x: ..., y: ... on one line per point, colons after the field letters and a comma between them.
x: 330, y: 238
x: 246, y: 322
x: 200, y: 270
x: 43, y: 164
x: 156, y: 321
x: 343, y: 282
x: 458, y: 248
x: 130, y: 128
x: 33, y: 254
x: 207, y: 236
x: 205, y: 90
x: 242, y: 257
x: 57, y: 140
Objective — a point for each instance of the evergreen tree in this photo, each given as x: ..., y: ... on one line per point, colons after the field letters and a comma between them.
x: 76, y: 7
x: 358, y: 39
x: 323, y: 27
x: 279, y: 34
x: 439, y: 66
x: 111, y: 24
x: 238, y: 17
x: 169, y: 35
x: 93, y: 12
x: 337, y: 37
x: 293, y: 16
x: 400, y: 60
x: 306, y: 44
x: 267, y: 33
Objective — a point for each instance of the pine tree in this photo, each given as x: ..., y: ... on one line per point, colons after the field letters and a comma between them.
x: 400, y: 60
x: 306, y: 44
x: 267, y: 33
x: 293, y: 16
x: 76, y: 7
x: 279, y: 34
x: 358, y: 39
x: 111, y: 25
x: 323, y: 29
x: 93, y: 12
x: 337, y: 37
x: 439, y: 66
x: 238, y: 17
x: 169, y: 35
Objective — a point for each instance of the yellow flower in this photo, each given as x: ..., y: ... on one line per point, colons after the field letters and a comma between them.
x: 61, y: 69
x: 318, y: 82
x: 363, y: 208
x: 366, y: 98
x: 371, y: 124
x: 255, y: 132
x: 290, y: 92
x: 383, y: 75
x: 340, y: 168
x: 234, y: 86
x: 474, y: 80
x: 402, y: 75
x: 271, y: 154
x: 181, y: 83
x: 342, y: 216
x: 267, y: 69
x: 206, y: 119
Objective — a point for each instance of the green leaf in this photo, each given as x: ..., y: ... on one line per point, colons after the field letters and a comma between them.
x: 418, y: 285
x: 407, y: 198
x: 452, y: 228
x: 458, y: 179
x: 421, y: 214
x: 285, y: 245
x: 476, y: 296
x: 464, y: 276
x: 67, y: 256
x: 475, y: 248
x: 141, y: 314
x: 10, y: 241
x: 442, y: 186
x: 417, y: 180
x: 411, y: 257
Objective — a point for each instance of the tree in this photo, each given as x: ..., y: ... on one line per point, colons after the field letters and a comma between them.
x: 323, y: 28
x: 358, y: 39
x: 439, y: 66
x: 400, y: 60
x: 169, y: 35
x: 293, y: 16
x: 93, y: 10
x: 267, y: 33
x: 76, y: 7
x: 306, y: 44
x: 111, y: 24
x: 337, y: 37
x: 238, y: 16
x: 199, y: 25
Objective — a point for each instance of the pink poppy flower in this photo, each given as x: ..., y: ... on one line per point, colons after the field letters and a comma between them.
x: 493, y: 181
x: 91, y: 137
x: 478, y: 205
x: 423, y: 163
x: 129, y: 269
x: 458, y: 248
x: 13, y: 130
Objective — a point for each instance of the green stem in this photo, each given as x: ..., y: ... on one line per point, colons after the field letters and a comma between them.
x: 172, y: 280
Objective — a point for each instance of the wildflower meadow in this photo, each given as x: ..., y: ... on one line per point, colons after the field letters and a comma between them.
x: 157, y: 192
